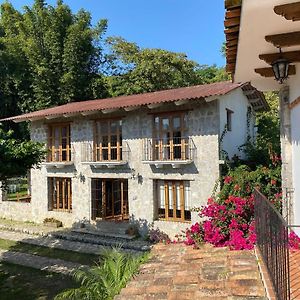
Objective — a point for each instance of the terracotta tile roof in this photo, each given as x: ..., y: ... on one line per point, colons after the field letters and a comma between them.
x: 186, y: 93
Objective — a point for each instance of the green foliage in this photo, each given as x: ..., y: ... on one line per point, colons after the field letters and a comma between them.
x: 48, y: 56
x: 268, y: 134
x: 136, y: 70
x: 106, y: 280
x: 241, y: 181
x: 147, y: 70
x: 211, y: 74
x: 18, y: 157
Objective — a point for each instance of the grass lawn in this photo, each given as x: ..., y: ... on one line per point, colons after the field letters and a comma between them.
x: 82, y: 258
x: 23, y: 283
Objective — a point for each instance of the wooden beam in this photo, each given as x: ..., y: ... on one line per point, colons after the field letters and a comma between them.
x: 90, y: 112
x: 232, y: 22
x: 268, y: 72
x: 284, y: 39
x: 291, y: 56
x: 290, y: 11
x: 233, y: 13
x: 109, y: 111
x: 154, y: 105
x: 232, y: 43
x: 234, y: 29
x: 53, y: 117
x: 232, y: 3
x: 181, y: 102
x: 131, y: 108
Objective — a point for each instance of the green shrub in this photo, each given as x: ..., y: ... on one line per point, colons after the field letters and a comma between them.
x: 105, y: 280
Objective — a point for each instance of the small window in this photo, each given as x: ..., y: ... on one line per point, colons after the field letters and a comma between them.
x: 229, y: 119
x: 173, y: 200
x: 60, y: 194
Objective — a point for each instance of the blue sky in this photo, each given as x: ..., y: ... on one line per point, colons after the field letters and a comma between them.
x: 194, y: 27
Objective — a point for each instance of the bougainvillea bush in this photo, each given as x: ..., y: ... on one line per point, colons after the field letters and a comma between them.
x: 294, y: 241
x: 228, y: 218
x: 229, y: 224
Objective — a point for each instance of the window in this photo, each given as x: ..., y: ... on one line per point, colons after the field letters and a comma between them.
x: 60, y: 194
x: 59, y: 143
x: 108, y: 140
x: 173, y: 200
x: 169, y: 137
x: 229, y: 119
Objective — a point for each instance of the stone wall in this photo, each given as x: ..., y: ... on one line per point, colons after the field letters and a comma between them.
x: 203, y: 128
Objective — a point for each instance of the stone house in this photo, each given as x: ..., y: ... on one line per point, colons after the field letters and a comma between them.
x: 146, y: 158
x: 254, y: 49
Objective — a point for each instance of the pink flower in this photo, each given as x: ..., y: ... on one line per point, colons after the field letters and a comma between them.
x: 227, y: 179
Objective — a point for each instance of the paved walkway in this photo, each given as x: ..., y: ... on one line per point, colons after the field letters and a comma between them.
x: 180, y: 272
x: 39, y: 262
x: 295, y: 274
x: 51, y: 242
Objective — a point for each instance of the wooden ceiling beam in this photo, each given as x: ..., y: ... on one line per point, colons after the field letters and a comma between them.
x: 232, y: 3
x: 268, y: 72
x: 284, y: 39
x: 290, y: 11
x: 234, y: 29
x: 232, y: 22
x: 291, y: 56
x: 233, y: 13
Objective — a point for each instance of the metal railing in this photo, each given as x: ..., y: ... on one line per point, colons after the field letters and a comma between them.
x: 273, y: 244
x: 89, y: 153
x: 169, y: 149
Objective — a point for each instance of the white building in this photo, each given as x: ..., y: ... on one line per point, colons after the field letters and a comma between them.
x: 147, y: 158
x: 256, y: 32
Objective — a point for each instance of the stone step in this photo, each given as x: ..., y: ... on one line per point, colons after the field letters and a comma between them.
x: 101, y: 233
x: 129, y: 244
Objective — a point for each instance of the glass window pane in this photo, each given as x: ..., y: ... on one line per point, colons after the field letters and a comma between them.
x: 165, y: 123
x: 176, y: 123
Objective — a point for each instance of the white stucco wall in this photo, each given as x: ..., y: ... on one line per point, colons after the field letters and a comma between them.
x: 237, y: 102
x: 293, y: 83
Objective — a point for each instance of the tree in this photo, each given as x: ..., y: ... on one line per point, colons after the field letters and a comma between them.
x: 136, y: 70
x: 211, y: 74
x: 48, y: 56
x: 267, y: 143
x: 17, y: 157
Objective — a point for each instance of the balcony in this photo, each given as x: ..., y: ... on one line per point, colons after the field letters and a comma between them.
x: 60, y: 158
x: 109, y: 156
x: 175, y: 152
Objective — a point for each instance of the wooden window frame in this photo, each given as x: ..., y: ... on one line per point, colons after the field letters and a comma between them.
x: 98, y: 149
x: 166, y: 215
x: 53, y: 151
x: 229, y: 113
x: 60, y: 194
x: 160, y: 146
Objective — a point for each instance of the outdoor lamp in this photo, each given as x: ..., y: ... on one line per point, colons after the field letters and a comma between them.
x: 281, y: 69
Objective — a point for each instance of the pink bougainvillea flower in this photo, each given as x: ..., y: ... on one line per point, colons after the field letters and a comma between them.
x: 236, y: 187
x: 227, y: 179
x: 273, y: 182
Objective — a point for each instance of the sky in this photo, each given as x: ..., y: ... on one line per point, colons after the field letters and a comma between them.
x: 194, y: 27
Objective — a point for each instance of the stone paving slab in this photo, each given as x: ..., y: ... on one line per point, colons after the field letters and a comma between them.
x: 39, y: 262
x: 181, y: 272
x: 55, y: 243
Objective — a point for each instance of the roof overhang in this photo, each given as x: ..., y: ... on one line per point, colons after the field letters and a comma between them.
x: 264, y: 26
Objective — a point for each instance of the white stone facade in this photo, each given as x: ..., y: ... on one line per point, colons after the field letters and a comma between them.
x: 205, y: 124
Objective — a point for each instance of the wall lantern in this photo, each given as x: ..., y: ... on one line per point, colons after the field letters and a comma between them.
x: 281, y: 69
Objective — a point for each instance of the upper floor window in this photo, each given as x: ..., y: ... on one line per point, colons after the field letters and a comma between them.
x: 108, y: 140
x: 229, y: 119
x: 59, y: 143
x: 169, y: 137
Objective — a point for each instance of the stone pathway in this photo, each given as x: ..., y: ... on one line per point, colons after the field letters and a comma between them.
x: 51, y: 242
x: 180, y: 272
x: 39, y: 262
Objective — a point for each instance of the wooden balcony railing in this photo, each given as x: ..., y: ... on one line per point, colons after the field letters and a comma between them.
x: 169, y: 149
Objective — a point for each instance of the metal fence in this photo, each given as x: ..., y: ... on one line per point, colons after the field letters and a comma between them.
x: 273, y: 244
